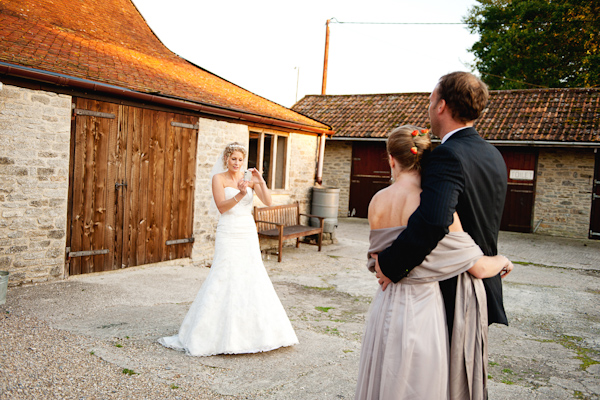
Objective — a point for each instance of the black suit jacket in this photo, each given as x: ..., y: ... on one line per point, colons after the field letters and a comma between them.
x: 467, y: 175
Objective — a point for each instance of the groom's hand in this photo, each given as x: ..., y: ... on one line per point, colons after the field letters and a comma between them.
x: 384, y: 281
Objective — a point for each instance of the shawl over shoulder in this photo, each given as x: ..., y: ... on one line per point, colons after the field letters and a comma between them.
x: 455, y: 254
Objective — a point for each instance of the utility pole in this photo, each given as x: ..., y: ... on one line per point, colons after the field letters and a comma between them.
x: 323, y: 88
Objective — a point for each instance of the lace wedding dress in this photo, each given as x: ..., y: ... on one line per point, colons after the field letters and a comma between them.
x: 236, y: 310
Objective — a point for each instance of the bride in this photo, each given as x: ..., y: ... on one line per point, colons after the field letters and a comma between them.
x: 236, y: 310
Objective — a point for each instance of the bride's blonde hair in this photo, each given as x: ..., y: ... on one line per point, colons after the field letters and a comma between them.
x: 230, y: 148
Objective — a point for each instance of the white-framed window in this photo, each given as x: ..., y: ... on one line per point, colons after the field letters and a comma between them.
x: 268, y: 152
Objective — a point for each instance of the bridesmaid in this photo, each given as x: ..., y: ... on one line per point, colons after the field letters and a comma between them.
x: 405, y: 346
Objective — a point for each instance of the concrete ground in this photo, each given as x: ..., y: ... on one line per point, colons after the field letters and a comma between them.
x: 551, y: 350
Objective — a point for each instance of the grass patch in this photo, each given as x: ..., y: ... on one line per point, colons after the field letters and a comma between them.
x: 332, y: 331
x: 348, y: 351
x: 318, y: 288
x: 323, y: 309
x: 92, y: 352
x: 540, y: 265
x: 118, y: 345
x: 571, y: 343
x: 507, y: 371
x: 174, y: 386
x: 129, y: 372
x: 332, y: 256
x: 492, y: 364
x: 507, y: 381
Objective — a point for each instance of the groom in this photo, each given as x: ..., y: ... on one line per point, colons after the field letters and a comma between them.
x: 464, y: 174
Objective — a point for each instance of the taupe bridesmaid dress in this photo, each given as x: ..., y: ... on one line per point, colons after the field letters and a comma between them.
x: 405, y: 353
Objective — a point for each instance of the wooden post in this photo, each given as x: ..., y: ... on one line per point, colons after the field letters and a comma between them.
x: 323, y: 88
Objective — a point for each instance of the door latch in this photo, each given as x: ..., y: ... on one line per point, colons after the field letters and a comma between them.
x: 118, y: 185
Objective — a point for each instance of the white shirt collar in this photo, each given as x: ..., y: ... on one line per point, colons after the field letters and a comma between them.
x: 452, y: 133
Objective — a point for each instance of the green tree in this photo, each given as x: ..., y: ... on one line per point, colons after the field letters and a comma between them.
x: 536, y: 43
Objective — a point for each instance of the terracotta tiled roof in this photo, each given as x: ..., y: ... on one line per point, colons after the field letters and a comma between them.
x: 366, y: 115
x: 108, y: 41
x: 565, y: 115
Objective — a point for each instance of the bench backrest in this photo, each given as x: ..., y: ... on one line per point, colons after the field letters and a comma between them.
x: 286, y: 214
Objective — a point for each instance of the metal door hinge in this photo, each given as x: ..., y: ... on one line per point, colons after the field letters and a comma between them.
x: 87, y: 253
x: 179, y: 241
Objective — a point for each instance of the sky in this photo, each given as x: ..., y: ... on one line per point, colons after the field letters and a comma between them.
x: 275, y: 48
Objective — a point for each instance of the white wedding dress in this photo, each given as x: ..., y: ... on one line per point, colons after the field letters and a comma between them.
x: 237, y: 309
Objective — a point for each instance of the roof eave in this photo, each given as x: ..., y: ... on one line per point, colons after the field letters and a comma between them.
x: 79, y: 83
x: 498, y: 142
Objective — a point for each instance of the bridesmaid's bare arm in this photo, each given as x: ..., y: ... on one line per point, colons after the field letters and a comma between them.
x: 486, y: 267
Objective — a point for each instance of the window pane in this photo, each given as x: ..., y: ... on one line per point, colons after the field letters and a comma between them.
x: 253, y: 150
x: 267, y: 160
x: 281, y: 161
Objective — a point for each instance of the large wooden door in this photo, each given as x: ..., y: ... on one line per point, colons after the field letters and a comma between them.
x: 595, y: 215
x: 132, y: 186
x: 518, y: 206
x: 93, y: 194
x: 370, y: 173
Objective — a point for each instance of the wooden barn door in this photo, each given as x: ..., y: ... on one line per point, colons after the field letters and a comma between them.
x: 132, y: 186
x: 518, y: 206
x: 92, y: 238
x: 595, y: 216
x: 370, y: 173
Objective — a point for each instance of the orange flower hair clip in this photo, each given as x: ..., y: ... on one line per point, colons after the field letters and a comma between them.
x: 414, y: 149
x: 421, y: 133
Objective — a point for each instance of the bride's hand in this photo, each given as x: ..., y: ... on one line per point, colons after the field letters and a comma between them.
x: 256, y: 174
x: 242, y: 186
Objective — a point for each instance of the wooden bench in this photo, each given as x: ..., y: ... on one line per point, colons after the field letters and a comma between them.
x: 283, y: 223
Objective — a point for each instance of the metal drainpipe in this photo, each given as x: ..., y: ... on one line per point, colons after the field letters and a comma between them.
x: 321, y: 159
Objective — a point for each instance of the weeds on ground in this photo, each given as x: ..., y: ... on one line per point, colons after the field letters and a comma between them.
x: 129, y: 372
x: 571, y: 343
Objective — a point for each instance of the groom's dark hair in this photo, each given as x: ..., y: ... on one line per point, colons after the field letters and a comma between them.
x: 465, y: 94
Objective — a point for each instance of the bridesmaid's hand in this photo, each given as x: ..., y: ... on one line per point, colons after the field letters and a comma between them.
x: 383, y: 280
x: 507, y: 269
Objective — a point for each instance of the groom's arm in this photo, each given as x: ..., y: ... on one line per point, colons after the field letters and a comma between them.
x: 442, y: 182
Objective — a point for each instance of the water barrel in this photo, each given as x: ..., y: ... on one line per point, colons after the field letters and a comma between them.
x: 3, y: 286
x: 325, y: 203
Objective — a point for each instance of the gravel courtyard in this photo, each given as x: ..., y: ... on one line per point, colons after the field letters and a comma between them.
x: 94, y: 336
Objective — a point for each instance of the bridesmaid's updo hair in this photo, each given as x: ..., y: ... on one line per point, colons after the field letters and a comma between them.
x: 407, y: 144
x: 230, y: 148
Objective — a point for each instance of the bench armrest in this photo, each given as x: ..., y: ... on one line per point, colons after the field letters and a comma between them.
x: 312, y: 216
x: 269, y: 222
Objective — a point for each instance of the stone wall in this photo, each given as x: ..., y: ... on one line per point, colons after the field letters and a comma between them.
x: 214, y: 136
x: 35, y: 132
x: 302, y: 171
x: 564, y: 192
x: 336, y: 171
x: 34, y: 181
